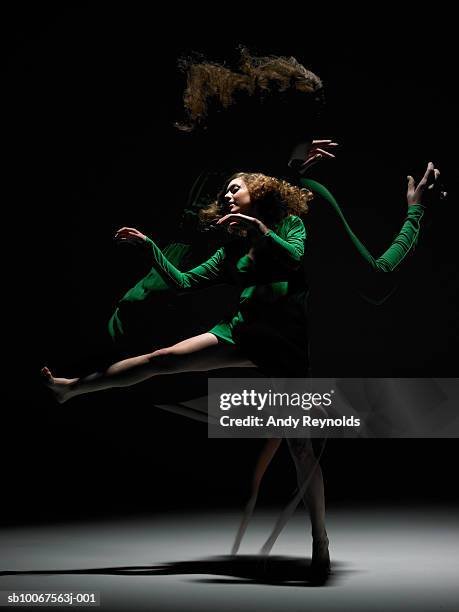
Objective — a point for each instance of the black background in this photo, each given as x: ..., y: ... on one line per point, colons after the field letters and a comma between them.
x: 90, y: 97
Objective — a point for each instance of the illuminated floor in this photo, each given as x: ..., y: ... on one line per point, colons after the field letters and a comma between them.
x: 382, y: 560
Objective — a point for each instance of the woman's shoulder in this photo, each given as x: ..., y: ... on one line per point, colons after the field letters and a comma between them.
x: 289, y: 223
x: 291, y: 220
x: 295, y: 219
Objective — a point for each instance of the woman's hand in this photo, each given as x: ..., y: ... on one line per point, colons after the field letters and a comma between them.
x: 251, y: 223
x: 318, y: 151
x: 130, y: 234
x: 426, y: 186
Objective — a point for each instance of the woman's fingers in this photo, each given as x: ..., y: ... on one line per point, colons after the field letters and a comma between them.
x: 126, y: 229
x: 324, y: 143
x: 326, y: 153
x: 410, y: 184
x: 317, y: 154
x: 311, y: 160
x: 235, y: 218
x: 129, y: 235
x: 427, y: 173
x: 429, y: 182
x: 430, y: 176
x: 434, y: 183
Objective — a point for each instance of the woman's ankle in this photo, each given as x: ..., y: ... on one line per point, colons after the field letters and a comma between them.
x: 320, y: 536
x: 72, y: 389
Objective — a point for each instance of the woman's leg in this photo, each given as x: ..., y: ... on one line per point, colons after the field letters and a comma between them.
x: 308, y: 468
x: 268, y: 452
x: 197, y: 354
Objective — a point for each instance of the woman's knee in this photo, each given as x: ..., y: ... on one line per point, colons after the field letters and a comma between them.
x: 161, y: 352
x: 164, y: 358
x: 302, y: 451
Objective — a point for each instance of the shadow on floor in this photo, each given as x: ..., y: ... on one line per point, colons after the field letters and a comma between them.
x: 237, y: 569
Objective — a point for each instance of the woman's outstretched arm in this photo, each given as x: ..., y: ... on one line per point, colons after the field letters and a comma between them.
x: 404, y: 242
x: 407, y: 238
x: 208, y: 273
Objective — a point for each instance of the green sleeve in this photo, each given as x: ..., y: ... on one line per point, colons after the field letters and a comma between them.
x: 404, y: 242
x: 291, y: 249
x: 208, y: 273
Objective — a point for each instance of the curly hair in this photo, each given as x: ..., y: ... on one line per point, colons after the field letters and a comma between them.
x: 212, y: 87
x: 275, y: 198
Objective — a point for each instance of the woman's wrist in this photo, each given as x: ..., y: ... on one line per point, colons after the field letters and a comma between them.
x: 262, y: 228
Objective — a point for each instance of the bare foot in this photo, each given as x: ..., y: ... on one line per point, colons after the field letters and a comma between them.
x: 61, y: 387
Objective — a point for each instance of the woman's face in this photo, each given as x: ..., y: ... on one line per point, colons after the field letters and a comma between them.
x: 237, y: 197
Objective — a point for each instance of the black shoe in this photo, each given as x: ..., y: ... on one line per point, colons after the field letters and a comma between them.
x: 320, y: 564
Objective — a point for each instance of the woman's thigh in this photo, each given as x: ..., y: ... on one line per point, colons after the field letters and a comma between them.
x: 202, y: 353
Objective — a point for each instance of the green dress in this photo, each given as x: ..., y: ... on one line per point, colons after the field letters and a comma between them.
x: 272, y: 277
x: 273, y: 271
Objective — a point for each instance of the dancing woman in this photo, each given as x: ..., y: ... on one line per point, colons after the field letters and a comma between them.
x: 265, y: 262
